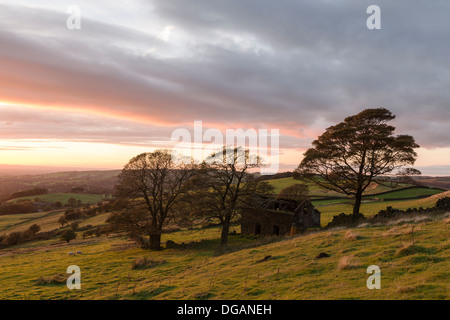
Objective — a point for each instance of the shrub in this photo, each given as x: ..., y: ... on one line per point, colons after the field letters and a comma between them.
x: 13, y: 238
x: 74, y: 226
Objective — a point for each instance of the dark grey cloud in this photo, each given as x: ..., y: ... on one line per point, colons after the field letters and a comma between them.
x: 324, y: 62
x: 276, y: 64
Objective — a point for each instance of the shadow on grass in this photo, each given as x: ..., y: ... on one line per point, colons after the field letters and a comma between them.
x: 235, y: 243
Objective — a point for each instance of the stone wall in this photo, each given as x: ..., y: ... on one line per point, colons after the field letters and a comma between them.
x: 266, y: 222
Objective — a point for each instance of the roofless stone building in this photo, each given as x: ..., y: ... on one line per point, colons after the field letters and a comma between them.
x: 279, y: 217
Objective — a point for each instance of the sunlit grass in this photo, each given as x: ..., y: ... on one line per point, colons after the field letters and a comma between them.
x: 292, y: 271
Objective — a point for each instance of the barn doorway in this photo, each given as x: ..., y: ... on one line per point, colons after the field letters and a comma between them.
x: 257, y: 229
x: 276, y: 230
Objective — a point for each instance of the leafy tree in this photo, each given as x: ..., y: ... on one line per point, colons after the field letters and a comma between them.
x: 68, y: 235
x: 361, y: 150
x: 62, y: 220
x: 155, y: 181
x: 72, y: 202
x: 74, y: 226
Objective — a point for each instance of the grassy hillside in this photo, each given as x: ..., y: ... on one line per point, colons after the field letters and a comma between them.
x: 377, y: 198
x: 7, y: 221
x: 410, y: 193
x: 292, y: 271
x: 370, y: 208
x: 36, y: 270
x: 62, y: 197
x: 280, y: 184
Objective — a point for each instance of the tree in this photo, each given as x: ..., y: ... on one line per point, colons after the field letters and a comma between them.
x: 155, y: 182
x: 74, y: 226
x: 72, y: 202
x: 62, y: 220
x: 68, y: 235
x: 297, y: 192
x: 30, y: 234
x: 361, y: 150
x: 226, y: 186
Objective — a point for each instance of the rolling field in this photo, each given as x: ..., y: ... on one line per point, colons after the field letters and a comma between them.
x: 36, y: 270
x: 62, y: 197
x: 370, y: 208
x: 314, y: 190
x: 292, y: 271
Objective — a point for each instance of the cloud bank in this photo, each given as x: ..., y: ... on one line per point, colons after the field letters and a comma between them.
x: 139, y: 69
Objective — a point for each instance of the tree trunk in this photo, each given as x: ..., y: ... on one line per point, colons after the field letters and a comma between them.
x: 358, y: 199
x: 224, y: 237
x: 155, y: 241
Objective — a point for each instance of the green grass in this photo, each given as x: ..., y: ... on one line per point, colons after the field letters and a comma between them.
x: 410, y: 193
x: 15, y: 219
x: 198, y: 273
x: 370, y: 208
x: 315, y: 190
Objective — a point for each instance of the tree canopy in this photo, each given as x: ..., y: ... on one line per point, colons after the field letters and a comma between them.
x: 155, y: 181
x: 361, y: 150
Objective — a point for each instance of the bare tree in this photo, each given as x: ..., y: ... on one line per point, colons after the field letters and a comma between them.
x: 226, y: 186
x: 155, y: 181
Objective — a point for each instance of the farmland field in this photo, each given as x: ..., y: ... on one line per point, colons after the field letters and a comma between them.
x: 36, y: 270
x: 62, y: 197
x: 292, y: 272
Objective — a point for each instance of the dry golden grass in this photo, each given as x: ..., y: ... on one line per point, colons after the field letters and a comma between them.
x: 56, y: 279
x: 400, y: 231
x: 405, y: 249
x: 351, y: 236
x: 348, y: 262
x: 406, y: 289
x: 145, y: 263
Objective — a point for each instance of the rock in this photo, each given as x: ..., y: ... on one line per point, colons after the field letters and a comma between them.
x: 322, y: 255
x: 265, y: 258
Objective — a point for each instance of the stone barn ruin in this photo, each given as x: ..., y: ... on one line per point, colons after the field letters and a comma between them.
x: 279, y: 217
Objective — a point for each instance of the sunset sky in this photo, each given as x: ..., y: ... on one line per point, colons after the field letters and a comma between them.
x: 138, y: 70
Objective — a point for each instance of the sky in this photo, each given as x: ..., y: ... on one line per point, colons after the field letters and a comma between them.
x: 137, y: 70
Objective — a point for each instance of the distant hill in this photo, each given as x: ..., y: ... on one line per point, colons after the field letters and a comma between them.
x: 15, y: 170
x: 437, y: 182
x: 93, y: 182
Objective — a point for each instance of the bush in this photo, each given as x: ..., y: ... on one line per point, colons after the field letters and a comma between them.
x: 68, y: 235
x: 13, y: 238
x: 74, y: 226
